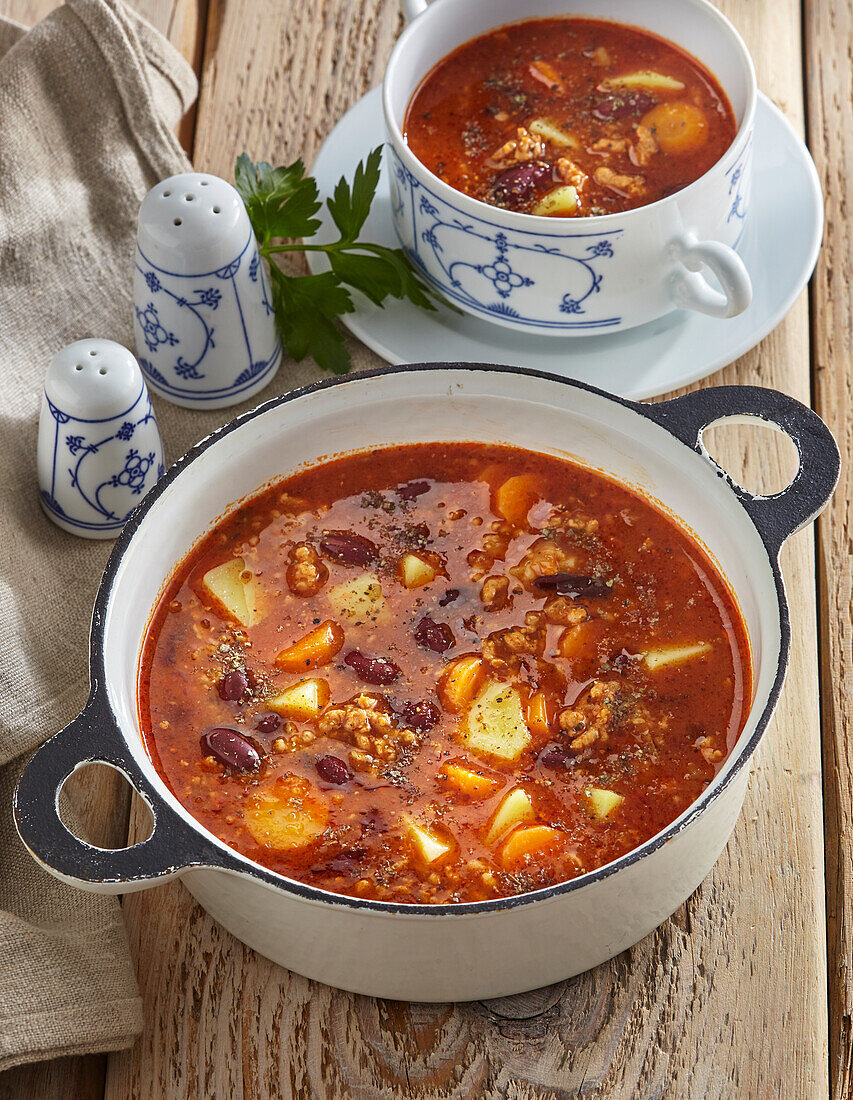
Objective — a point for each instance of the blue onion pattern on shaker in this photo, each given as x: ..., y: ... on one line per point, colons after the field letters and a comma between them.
x: 198, y: 305
x: 135, y: 468
x: 496, y: 278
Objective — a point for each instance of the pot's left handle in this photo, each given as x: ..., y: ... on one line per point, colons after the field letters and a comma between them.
x: 94, y: 737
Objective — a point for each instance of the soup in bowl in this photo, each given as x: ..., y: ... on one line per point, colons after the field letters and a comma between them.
x: 570, y: 175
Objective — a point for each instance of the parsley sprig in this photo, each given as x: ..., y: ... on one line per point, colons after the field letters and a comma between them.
x: 282, y: 203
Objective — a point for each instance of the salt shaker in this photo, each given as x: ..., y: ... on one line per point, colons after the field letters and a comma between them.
x: 99, y: 447
x: 204, y: 326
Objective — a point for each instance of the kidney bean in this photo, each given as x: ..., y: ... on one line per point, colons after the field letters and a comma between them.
x: 268, y: 723
x: 233, y: 685
x: 421, y: 717
x: 413, y: 489
x: 435, y: 636
x: 556, y: 756
x: 449, y: 596
x: 623, y: 104
x: 373, y: 670
x: 333, y: 770
x: 231, y: 749
x: 519, y: 185
x: 572, y: 585
x: 348, y: 547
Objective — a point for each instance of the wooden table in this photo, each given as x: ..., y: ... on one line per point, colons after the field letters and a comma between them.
x: 747, y: 992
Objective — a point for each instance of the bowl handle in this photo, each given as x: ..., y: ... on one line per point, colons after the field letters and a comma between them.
x: 691, y: 290
x: 779, y: 515
x: 94, y: 737
x: 413, y: 8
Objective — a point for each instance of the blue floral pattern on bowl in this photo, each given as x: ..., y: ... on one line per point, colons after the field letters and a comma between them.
x: 527, y: 276
x: 182, y: 320
x: 101, y: 468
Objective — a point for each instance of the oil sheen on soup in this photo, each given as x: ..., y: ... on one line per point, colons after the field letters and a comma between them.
x: 569, y: 118
x: 443, y: 673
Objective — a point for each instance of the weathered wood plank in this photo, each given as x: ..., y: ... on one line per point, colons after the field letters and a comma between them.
x: 829, y: 45
x: 728, y: 998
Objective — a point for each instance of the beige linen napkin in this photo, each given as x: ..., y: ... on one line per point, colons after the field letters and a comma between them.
x: 88, y: 102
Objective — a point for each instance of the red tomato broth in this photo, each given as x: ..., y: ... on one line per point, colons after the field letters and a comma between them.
x: 630, y: 146
x: 667, y: 733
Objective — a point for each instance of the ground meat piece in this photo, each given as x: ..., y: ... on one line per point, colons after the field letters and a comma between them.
x: 504, y: 649
x: 610, y: 145
x: 522, y: 148
x: 495, y: 593
x: 645, y: 147
x: 544, y: 558
x: 628, y: 185
x: 568, y: 519
x: 600, y: 57
x: 365, y: 723
x: 570, y: 173
x: 306, y: 573
x: 590, y: 721
x: 709, y: 750
x: 565, y: 612
x: 495, y: 545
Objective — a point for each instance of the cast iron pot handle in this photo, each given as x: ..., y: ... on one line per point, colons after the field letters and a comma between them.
x: 94, y: 737
x: 778, y: 516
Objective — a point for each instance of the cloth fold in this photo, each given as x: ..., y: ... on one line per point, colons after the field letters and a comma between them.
x: 89, y: 99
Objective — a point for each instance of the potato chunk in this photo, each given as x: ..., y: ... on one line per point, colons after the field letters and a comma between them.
x: 495, y: 723
x: 427, y: 844
x: 286, y: 816
x: 516, y: 809
x: 664, y: 655
x: 524, y: 842
x: 317, y: 648
x: 645, y: 78
x: 515, y: 497
x: 302, y: 701
x: 360, y: 599
x: 460, y: 682
x: 414, y: 572
x: 239, y: 596
x: 472, y: 783
x: 546, y: 129
x: 603, y: 802
x: 562, y: 200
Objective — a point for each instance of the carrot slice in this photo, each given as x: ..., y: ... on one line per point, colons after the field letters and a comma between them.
x: 523, y: 842
x: 317, y: 648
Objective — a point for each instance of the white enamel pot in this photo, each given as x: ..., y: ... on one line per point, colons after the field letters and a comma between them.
x: 576, y: 276
x: 451, y: 952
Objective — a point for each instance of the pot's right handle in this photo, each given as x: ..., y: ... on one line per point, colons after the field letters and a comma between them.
x: 94, y: 737
x: 779, y: 515
x: 413, y: 8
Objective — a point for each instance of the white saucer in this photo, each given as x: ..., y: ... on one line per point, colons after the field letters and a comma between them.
x: 780, y: 250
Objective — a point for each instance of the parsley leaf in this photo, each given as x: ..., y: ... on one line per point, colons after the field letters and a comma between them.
x: 281, y: 203
x: 349, y: 206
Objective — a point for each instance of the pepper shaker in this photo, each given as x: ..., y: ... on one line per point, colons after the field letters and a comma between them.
x: 203, y: 316
x: 99, y: 447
